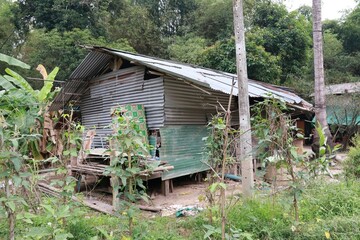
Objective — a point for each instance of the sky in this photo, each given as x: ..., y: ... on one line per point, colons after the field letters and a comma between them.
x: 331, y: 9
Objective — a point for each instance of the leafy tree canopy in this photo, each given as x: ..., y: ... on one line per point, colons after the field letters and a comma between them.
x: 7, y: 28
x: 278, y: 42
x: 63, y: 49
x: 63, y: 15
x: 350, y: 31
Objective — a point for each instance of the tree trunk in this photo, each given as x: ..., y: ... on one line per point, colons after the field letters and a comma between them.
x: 245, y: 145
x: 320, y: 105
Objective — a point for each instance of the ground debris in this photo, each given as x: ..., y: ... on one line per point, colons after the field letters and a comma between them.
x: 180, y: 210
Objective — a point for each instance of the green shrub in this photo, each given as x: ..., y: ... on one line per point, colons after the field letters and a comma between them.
x: 162, y: 228
x: 80, y: 229
x: 264, y: 218
x: 352, y: 162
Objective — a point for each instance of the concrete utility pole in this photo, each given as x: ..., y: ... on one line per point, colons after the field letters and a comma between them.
x: 245, y: 145
x: 319, y: 91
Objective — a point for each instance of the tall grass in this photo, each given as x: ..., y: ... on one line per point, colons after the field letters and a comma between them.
x: 332, y: 208
x: 352, y: 162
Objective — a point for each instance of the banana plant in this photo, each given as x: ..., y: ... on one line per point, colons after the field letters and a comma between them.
x: 14, y: 81
x: 17, y: 118
x: 14, y: 85
x: 22, y: 112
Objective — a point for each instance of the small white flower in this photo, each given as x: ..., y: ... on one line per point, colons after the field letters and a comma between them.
x: 293, y: 228
x: 49, y: 224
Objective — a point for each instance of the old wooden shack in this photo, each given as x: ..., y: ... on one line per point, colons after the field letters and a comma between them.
x: 179, y: 100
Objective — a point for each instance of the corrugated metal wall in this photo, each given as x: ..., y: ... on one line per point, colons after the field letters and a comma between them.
x: 187, y: 104
x: 181, y: 112
x: 126, y: 86
x: 182, y: 146
x: 188, y: 109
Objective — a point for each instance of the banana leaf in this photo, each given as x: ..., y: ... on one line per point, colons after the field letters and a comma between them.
x: 19, y: 81
x: 13, y: 61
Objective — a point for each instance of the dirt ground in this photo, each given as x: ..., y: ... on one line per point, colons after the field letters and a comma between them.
x: 188, y: 193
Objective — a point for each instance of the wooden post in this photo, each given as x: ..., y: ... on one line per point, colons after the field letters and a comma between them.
x: 114, y: 180
x: 245, y: 146
x: 165, y: 185
x: 115, y: 191
x: 171, y: 186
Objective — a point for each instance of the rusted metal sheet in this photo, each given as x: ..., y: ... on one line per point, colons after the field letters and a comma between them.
x: 182, y: 147
x: 216, y: 80
x: 112, y: 89
x: 99, y: 59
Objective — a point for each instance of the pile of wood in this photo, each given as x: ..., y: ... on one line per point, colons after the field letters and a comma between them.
x: 98, y: 169
x: 91, y: 203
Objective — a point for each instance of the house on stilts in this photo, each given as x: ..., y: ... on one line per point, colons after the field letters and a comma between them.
x: 179, y: 100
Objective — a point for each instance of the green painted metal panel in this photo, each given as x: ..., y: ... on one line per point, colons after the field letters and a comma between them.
x: 182, y: 146
x: 340, y: 115
x: 343, y: 109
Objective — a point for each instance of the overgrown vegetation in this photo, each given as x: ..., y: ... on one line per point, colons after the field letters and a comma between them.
x: 276, y: 133
x: 193, y: 31
x: 327, y: 209
x: 352, y: 162
x: 24, y: 151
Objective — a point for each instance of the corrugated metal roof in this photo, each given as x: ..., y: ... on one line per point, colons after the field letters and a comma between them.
x: 217, y: 80
x: 343, y: 88
x: 92, y: 65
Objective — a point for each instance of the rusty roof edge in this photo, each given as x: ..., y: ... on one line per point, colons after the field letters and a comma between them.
x: 303, y: 107
x: 301, y: 103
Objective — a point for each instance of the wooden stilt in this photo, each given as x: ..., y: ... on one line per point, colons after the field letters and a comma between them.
x: 171, y: 186
x: 115, y: 191
x: 165, y: 185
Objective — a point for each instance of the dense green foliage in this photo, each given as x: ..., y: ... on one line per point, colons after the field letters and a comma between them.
x: 7, y: 28
x: 62, y: 49
x: 193, y: 31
